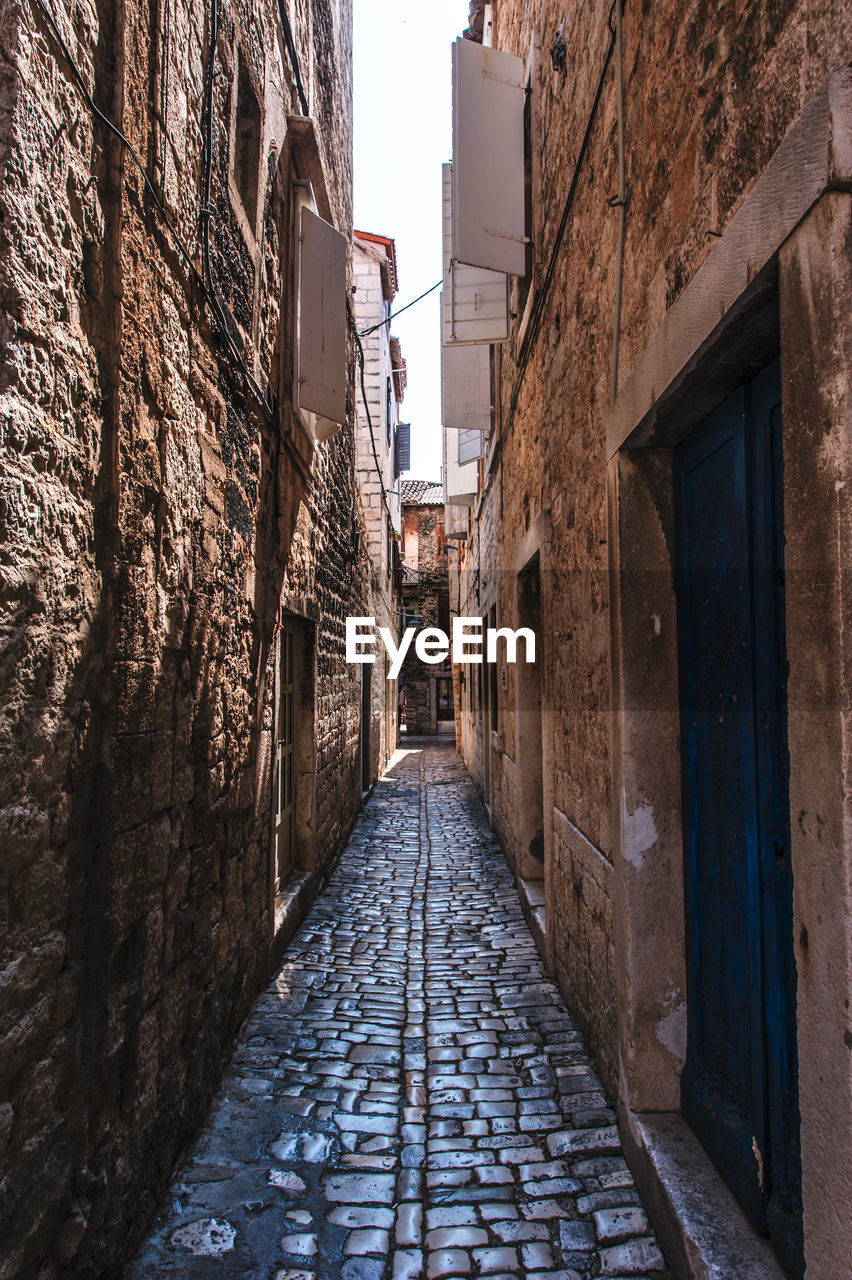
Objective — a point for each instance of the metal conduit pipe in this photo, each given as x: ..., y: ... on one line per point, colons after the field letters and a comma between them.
x: 620, y: 201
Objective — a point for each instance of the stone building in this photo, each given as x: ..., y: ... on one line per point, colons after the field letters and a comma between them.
x: 180, y: 542
x: 664, y: 496
x: 425, y: 603
x: 382, y: 453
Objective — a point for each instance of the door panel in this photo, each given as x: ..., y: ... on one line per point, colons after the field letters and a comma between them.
x: 285, y: 807
x: 366, y: 724
x: 739, y: 1085
x: 783, y: 1178
x: 721, y: 838
x: 444, y: 698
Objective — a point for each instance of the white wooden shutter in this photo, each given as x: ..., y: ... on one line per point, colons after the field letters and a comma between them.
x: 475, y: 306
x: 455, y: 520
x: 321, y: 324
x: 469, y: 446
x: 466, y: 388
x: 460, y: 482
x: 488, y: 158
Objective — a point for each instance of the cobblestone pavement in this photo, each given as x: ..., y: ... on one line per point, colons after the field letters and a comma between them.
x: 409, y: 1097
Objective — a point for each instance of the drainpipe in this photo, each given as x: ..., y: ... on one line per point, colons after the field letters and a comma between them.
x: 619, y: 201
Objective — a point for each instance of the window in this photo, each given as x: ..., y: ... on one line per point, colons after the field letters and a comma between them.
x: 525, y: 281
x: 444, y: 699
x: 410, y: 540
x: 402, y: 449
x: 494, y: 383
x: 493, y: 692
x: 443, y: 600
x: 320, y: 346
x: 389, y: 409
x: 284, y: 823
x: 461, y: 483
x: 247, y: 143
x: 469, y: 446
x: 524, y: 284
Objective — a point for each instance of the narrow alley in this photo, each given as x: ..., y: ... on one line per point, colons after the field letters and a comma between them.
x: 425, y: 640
x: 409, y: 1089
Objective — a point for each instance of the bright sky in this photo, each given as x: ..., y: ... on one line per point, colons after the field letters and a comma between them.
x: 402, y: 137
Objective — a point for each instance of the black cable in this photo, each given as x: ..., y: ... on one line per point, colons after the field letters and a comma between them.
x: 365, y: 333
x: 294, y: 57
x: 360, y: 350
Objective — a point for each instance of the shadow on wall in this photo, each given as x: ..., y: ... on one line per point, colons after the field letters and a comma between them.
x: 142, y: 900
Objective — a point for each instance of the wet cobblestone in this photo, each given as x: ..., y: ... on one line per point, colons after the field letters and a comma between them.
x: 410, y: 1099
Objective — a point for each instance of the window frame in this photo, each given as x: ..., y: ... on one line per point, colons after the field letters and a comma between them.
x: 317, y: 427
x: 242, y: 73
x: 524, y: 287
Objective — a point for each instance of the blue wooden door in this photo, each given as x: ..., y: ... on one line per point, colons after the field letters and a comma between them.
x: 740, y: 1080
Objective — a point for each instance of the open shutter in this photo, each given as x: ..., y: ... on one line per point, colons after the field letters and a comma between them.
x: 466, y: 387
x: 402, y: 461
x: 460, y: 482
x: 469, y: 446
x: 488, y: 158
x: 475, y: 303
x: 321, y: 340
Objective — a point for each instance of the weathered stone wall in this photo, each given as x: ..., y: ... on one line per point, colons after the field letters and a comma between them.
x: 151, y: 517
x: 425, y: 595
x: 377, y: 483
x: 479, y: 575
x: 423, y: 530
x: 384, y: 693
x: 710, y: 91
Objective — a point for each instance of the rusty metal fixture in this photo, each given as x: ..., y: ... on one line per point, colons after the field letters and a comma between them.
x: 559, y: 50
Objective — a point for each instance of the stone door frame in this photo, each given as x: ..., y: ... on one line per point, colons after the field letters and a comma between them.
x: 288, y: 906
x: 538, y: 544
x: 779, y: 279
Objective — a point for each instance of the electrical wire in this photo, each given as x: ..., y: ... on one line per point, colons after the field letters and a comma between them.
x: 365, y: 333
x: 360, y: 352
